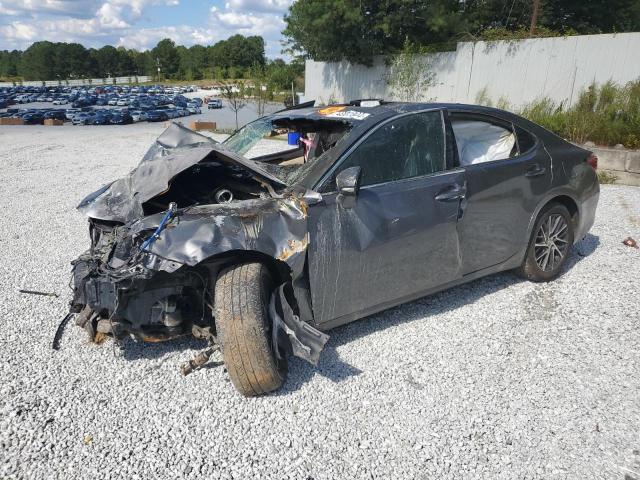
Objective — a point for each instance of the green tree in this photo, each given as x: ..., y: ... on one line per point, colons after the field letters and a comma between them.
x: 9, y: 61
x: 142, y: 62
x: 38, y: 62
x: 281, y: 75
x: 70, y: 60
x: 239, y: 52
x: 198, y: 55
x: 234, y: 95
x: 167, y: 54
x: 45, y: 60
x: 409, y: 74
x: 356, y: 30
x: 592, y: 17
x: 108, y: 60
x: 126, y: 66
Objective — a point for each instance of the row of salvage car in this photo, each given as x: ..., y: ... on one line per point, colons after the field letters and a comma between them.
x: 101, y: 116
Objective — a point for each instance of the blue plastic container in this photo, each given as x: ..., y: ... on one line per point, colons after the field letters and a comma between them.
x: 292, y: 138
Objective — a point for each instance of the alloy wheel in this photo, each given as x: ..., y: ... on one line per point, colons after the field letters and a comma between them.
x: 551, y: 242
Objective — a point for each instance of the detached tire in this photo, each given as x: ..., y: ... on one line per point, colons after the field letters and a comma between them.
x: 550, y: 244
x: 244, y: 329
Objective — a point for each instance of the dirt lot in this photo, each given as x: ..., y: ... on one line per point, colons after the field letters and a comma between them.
x: 499, y: 378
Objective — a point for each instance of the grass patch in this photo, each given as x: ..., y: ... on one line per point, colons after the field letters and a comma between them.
x: 606, y: 114
x: 605, y: 177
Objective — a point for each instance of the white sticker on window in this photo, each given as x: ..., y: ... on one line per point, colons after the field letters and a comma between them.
x: 350, y: 114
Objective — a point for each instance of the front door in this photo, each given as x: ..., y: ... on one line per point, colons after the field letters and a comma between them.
x: 398, y: 240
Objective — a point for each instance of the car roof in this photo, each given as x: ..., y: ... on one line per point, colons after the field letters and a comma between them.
x: 353, y: 112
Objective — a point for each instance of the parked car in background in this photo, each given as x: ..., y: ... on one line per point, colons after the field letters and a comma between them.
x: 33, y: 118
x: 83, y: 118
x: 157, y: 116
x: 56, y: 115
x: 138, y: 115
x: 121, y: 118
x: 102, y: 118
x: 71, y: 112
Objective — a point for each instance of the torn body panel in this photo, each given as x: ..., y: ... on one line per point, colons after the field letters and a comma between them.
x: 150, y: 273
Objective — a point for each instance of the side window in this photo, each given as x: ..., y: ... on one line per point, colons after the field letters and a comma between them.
x: 479, y: 141
x: 526, y: 141
x: 410, y: 146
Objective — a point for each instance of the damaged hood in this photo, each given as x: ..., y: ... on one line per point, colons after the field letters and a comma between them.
x: 177, y: 149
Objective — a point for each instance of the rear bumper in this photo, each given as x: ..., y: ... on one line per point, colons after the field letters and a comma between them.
x: 587, y: 215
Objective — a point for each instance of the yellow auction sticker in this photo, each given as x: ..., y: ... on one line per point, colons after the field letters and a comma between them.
x: 330, y: 110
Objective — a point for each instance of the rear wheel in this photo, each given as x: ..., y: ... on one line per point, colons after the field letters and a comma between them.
x: 550, y: 244
x: 242, y: 294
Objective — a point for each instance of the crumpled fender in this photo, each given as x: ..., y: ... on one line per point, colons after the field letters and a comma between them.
x: 274, y: 226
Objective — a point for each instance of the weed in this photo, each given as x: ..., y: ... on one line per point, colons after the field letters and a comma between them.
x: 605, y: 177
x: 607, y: 115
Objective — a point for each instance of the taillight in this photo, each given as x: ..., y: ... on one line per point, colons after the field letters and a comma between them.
x: 592, y: 160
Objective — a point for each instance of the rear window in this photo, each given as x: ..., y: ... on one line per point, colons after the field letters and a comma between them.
x: 526, y: 141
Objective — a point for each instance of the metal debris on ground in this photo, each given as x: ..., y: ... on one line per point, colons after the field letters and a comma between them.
x: 36, y: 292
x: 60, y: 330
x: 630, y: 242
x: 199, y: 360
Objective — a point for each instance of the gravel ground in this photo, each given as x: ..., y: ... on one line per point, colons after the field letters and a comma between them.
x: 497, y: 379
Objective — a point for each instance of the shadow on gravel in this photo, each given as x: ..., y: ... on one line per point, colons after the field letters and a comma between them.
x: 133, y: 350
x: 335, y: 369
x: 582, y: 249
x: 331, y: 366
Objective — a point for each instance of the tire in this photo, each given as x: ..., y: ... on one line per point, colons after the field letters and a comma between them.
x: 244, y: 329
x: 534, y: 267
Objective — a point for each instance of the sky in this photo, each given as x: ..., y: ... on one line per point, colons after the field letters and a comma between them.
x: 140, y: 24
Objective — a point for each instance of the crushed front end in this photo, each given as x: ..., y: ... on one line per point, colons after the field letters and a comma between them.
x: 116, y: 292
x: 161, y: 236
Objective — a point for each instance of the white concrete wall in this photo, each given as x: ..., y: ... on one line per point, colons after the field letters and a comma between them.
x: 82, y: 81
x: 518, y: 71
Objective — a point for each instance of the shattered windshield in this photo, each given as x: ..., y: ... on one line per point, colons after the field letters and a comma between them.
x: 248, y: 136
x: 287, y: 147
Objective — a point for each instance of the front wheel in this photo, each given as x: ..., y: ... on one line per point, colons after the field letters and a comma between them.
x: 550, y: 244
x: 244, y: 329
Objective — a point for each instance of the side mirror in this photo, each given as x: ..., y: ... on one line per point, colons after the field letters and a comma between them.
x: 348, y: 183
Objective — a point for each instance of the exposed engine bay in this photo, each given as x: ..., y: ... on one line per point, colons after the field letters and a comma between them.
x: 209, y: 182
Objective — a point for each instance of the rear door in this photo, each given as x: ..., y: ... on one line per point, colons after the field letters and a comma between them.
x: 398, y: 240
x: 502, y: 195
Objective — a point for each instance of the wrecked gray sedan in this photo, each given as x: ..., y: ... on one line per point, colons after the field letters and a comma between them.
x: 259, y: 245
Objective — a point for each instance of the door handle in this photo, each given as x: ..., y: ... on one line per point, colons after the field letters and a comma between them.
x: 450, y: 193
x: 535, y: 171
